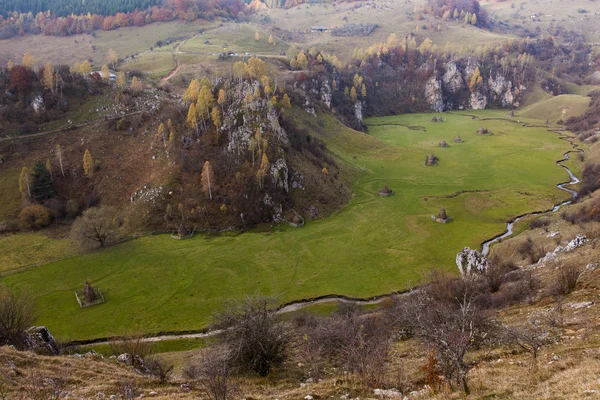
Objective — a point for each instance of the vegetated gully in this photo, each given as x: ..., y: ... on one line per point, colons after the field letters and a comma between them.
x: 300, y: 304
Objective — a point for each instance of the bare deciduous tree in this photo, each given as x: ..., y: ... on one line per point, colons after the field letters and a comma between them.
x: 213, y: 373
x: 451, y: 328
x: 531, y: 337
x: 256, y: 339
x: 97, y: 226
x: 17, y: 314
x: 135, y: 346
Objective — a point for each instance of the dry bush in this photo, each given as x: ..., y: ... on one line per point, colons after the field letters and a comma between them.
x: 531, y: 337
x: 451, y: 326
x: 213, y: 374
x: 128, y: 389
x: 495, y: 274
x: 566, y: 279
x: 358, y: 343
x: 530, y: 251
x: 539, y: 223
x: 96, y: 227
x: 138, y: 349
x: 257, y: 340
x: 40, y: 387
x: 17, y: 314
x: 34, y: 217
x: 159, y: 368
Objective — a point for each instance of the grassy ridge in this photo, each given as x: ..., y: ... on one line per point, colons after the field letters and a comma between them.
x: 375, y: 245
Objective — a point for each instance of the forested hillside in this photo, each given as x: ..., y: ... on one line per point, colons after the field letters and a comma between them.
x: 63, y: 8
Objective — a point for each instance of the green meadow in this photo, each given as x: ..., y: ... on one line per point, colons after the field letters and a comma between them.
x: 374, y: 245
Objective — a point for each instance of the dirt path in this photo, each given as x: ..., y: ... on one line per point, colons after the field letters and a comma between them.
x: 68, y: 128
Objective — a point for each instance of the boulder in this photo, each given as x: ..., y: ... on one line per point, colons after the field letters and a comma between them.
x: 471, y: 261
x: 40, y: 340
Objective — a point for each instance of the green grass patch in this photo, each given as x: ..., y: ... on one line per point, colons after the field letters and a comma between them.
x: 556, y: 108
x: 236, y: 38
x: 10, y: 197
x: 155, y: 64
x: 26, y: 249
x: 374, y: 245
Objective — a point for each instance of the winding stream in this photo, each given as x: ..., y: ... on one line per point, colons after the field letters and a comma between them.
x: 562, y: 186
x: 300, y: 304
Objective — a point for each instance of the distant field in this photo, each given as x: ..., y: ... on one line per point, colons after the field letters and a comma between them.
x: 154, y: 63
x: 391, y: 16
x: 124, y: 41
x: 375, y: 245
x: 555, y: 108
x: 27, y: 249
x: 549, y: 12
x: 236, y: 38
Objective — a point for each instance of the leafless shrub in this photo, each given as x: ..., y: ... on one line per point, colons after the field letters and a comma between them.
x: 566, y: 280
x: 358, y: 343
x: 213, y: 374
x: 495, y: 274
x: 539, y: 223
x: 17, y: 314
x: 137, y: 348
x: 159, y: 368
x: 40, y: 387
x: 451, y: 328
x: 530, y: 337
x: 128, y: 389
x: 256, y: 339
x: 555, y: 317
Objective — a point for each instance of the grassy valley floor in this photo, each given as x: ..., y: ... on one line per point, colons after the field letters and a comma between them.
x: 373, y: 246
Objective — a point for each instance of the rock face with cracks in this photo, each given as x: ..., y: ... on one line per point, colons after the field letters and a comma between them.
x: 471, y: 262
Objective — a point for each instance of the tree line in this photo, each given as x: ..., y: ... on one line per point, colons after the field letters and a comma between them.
x: 18, y: 17
x: 63, y: 8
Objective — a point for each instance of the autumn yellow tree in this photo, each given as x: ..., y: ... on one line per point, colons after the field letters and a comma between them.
x: 121, y: 83
x: 10, y: 65
x: 302, y: 60
x: 476, y: 78
x: 48, y: 77
x: 239, y: 68
x: 171, y: 131
x: 363, y: 91
x: 25, y: 182
x: 49, y: 168
x: 136, y: 85
x: 256, y: 68
x: 271, y: 40
x: 29, y: 61
x: 221, y: 99
x: 205, y: 100
x: 105, y: 73
x: 286, y: 101
x: 256, y: 36
x: 112, y: 57
x: 161, y: 134
x: 207, y: 179
x: 192, y: 118
x: 191, y: 93
x: 88, y: 164
x: 353, y: 94
x: 263, y: 170
x: 215, y: 115
x: 85, y: 68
